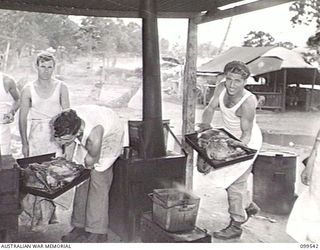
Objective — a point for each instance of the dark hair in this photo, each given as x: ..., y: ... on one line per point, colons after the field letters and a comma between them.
x: 237, y: 67
x: 45, y: 57
x: 66, y: 123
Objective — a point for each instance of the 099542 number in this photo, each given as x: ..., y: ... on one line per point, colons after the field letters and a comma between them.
x: 310, y: 246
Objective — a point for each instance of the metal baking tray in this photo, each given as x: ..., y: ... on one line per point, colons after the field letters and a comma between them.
x: 192, y: 140
x: 23, y: 162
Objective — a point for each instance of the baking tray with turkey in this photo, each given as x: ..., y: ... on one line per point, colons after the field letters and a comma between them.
x: 48, y: 176
x: 219, y: 148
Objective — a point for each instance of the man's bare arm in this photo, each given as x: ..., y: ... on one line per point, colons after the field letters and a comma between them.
x: 247, y: 114
x: 64, y: 97
x: 208, y: 112
x: 93, y: 145
x: 12, y: 88
x: 23, y: 122
x: 306, y: 174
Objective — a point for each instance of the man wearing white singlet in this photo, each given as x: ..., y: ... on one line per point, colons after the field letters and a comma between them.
x: 238, y: 110
x: 41, y: 100
x: 9, y: 103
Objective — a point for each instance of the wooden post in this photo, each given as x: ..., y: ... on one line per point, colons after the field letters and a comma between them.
x: 153, y: 135
x: 284, y: 92
x: 103, y: 70
x: 189, y: 96
x: 312, y: 88
x: 275, y: 81
x: 6, y: 56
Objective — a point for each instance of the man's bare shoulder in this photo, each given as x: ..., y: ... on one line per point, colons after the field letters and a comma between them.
x: 9, y: 81
x: 248, y: 106
x: 26, y: 91
x: 63, y: 85
x: 96, y: 133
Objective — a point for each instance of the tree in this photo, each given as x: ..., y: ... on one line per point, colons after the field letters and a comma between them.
x: 287, y: 45
x: 305, y: 12
x: 178, y: 51
x: 258, y: 39
x: 22, y: 31
x: 108, y: 37
x: 207, y: 50
x: 111, y: 36
x: 55, y: 28
x: 164, y: 46
x: 19, y: 30
x: 225, y: 36
x: 134, y: 32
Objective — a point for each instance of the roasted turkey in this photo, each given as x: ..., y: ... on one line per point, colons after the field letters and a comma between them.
x: 51, y: 175
x: 219, y: 146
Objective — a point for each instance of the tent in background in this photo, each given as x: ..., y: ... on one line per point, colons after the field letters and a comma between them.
x: 280, y: 67
x: 244, y: 54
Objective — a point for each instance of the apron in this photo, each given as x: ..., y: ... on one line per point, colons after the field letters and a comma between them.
x: 304, y: 220
x: 6, y: 101
x: 42, y: 111
x: 5, y: 139
x: 224, y: 177
x: 41, y: 140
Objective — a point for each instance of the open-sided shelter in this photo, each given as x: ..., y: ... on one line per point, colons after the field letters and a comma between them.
x: 198, y: 12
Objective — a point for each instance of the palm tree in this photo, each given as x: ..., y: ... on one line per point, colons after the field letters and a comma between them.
x: 225, y: 36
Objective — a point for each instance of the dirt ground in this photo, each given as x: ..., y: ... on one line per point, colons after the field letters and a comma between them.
x: 213, y: 205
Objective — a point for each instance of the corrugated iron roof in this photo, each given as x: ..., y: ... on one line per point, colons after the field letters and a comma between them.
x: 263, y: 60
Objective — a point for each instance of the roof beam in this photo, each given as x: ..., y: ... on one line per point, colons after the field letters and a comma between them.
x: 26, y: 6
x: 219, y: 14
x: 219, y: 3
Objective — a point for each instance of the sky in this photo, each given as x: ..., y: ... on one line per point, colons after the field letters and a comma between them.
x: 274, y: 20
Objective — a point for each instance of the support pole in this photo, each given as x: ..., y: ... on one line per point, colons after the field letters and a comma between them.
x: 312, y: 88
x: 189, y: 96
x: 284, y: 92
x: 275, y: 81
x: 153, y: 136
x: 6, y: 56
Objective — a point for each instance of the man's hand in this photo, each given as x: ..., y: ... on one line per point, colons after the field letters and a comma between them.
x: 25, y: 150
x: 236, y: 143
x: 89, y: 161
x: 306, y: 176
x: 200, y: 127
x: 8, y: 118
x: 203, y: 167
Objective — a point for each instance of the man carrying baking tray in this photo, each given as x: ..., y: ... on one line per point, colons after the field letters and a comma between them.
x: 93, y: 136
x: 238, y: 110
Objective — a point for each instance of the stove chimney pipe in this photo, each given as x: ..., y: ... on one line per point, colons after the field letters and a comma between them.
x: 153, y: 135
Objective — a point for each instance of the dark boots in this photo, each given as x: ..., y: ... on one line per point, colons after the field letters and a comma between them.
x: 252, y: 210
x: 79, y: 235
x: 73, y: 235
x: 93, y: 238
x: 232, y: 231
